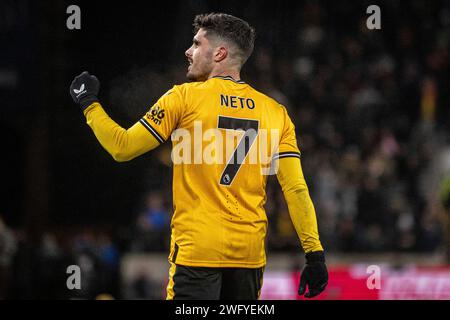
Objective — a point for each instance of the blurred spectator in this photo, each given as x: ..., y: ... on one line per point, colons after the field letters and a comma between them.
x: 50, y: 268
x: 445, y: 201
x: 142, y: 286
x: 8, y: 248
x: 152, y: 225
x: 110, y: 264
x: 98, y: 258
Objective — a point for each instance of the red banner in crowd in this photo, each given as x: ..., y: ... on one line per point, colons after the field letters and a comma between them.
x: 366, y: 282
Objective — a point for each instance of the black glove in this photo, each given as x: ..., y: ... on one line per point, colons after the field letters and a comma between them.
x: 84, y: 90
x: 314, y: 274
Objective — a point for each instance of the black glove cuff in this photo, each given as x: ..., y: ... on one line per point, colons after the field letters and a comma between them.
x: 85, y: 102
x: 317, y: 256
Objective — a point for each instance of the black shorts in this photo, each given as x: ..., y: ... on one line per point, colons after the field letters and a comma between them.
x: 202, y: 283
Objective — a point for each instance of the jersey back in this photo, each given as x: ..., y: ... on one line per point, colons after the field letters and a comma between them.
x: 225, y: 136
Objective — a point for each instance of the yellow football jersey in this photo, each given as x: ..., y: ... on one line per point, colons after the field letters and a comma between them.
x: 224, y: 134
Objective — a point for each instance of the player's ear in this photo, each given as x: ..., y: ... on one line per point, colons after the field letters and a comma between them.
x: 220, y: 54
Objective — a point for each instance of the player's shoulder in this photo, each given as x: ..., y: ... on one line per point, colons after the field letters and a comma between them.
x: 188, y: 87
x: 191, y: 85
x: 269, y: 101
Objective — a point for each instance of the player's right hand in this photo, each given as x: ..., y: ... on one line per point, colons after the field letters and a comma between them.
x: 314, y: 275
x: 84, y: 90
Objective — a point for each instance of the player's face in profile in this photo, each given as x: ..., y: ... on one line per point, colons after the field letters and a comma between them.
x: 200, y: 57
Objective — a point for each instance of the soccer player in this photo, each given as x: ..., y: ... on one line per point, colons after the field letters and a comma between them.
x: 219, y: 224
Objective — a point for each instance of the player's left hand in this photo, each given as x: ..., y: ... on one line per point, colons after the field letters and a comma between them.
x: 84, y: 90
x: 314, y: 275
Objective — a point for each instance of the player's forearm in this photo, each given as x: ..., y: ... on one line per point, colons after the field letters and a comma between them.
x: 301, y: 208
x: 123, y: 145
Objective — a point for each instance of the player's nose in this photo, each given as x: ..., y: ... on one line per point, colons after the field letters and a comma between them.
x: 188, y: 53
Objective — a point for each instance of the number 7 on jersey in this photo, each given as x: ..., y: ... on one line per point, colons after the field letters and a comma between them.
x: 250, y: 126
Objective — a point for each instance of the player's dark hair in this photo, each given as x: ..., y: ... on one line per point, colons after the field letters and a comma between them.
x: 230, y: 28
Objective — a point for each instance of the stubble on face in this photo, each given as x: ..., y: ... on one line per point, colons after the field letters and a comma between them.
x: 201, y: 67
x: 201, y: 60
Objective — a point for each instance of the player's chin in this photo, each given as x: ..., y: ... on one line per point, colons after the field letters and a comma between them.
x: 193, y: 76
x: 190, y: 76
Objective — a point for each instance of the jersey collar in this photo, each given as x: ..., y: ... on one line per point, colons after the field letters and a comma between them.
x: 229, y: 78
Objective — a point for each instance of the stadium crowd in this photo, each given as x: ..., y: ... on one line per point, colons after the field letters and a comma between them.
x: 371, y: 110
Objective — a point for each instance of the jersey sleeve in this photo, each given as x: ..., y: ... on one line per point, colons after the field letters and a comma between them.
x: 288, y: 141
x: 164, y: 116
x: 122, y: 144
x: 301, y: 208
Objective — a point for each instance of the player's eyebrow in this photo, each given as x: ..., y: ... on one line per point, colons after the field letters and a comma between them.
x: 195, y: 41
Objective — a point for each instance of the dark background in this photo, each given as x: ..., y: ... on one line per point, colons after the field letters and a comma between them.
x: 57, y: 178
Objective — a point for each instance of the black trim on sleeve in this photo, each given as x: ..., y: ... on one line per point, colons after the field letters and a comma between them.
x: 152, y: 131
x: 286, y: 155
x: 175, y: 253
